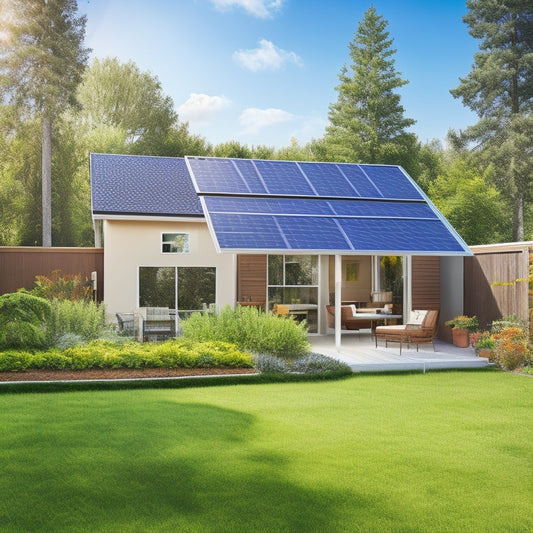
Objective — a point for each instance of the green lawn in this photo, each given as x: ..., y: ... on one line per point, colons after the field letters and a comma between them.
x: 435, y: 452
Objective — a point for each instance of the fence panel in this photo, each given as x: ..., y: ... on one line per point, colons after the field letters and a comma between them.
x: 19, y: 265
x: 496, y: 285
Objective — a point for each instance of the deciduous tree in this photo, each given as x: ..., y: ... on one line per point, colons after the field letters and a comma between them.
x: 475, y: 209
x: 120, y: 95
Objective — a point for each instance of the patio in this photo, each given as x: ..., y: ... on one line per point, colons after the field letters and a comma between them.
x: 359, y: 352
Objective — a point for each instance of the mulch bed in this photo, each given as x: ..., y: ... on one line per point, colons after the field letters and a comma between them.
x: 119, y: 373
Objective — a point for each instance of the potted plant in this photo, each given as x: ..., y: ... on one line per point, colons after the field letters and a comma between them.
x: 461, y: 327
x: 485, y: 345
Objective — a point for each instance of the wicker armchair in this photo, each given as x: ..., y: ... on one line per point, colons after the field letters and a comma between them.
x: 411, y: 333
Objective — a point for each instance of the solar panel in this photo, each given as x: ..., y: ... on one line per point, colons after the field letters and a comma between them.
x: 310, y: 233
x: 294, y: 233
x: 300, y: 206
x: 217, y: 175
x: 399, y: 235
x: 328, y: 180
x: 383, y: 177
x: 288, y: 206
x: 249, y: 173
x: 289, y: 178
x: 359, y: 181
x: 274, y: 206
x: 284, y: 177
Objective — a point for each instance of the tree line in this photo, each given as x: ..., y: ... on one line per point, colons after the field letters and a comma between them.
x: 56, y: 108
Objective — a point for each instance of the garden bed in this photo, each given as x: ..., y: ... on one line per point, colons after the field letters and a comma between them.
x: 119, y: 373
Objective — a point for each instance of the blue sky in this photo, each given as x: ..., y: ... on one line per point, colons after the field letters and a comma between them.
x: 263, y: 71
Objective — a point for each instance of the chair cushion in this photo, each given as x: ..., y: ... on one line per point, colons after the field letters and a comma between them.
x: 417, y: 317
x: 391, y: 329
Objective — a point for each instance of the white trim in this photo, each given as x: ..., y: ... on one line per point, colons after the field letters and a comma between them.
x: 210, y: 227
x: 155, y: 218
x: 299, y: 251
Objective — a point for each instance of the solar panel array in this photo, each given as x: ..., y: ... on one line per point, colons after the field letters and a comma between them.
x: 256, y: 205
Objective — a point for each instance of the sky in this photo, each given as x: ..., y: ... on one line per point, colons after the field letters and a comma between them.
x: 264, y: 71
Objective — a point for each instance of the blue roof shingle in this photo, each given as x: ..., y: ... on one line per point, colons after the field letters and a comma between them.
x: 142, y: 185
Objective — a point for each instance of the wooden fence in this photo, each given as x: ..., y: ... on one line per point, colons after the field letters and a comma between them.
x: 19, y: 265
x: 496, y: 282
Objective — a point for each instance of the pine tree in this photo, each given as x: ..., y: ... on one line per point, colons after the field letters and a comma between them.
x: 367, y: 123
x: 499, y: 88
x: 41, y: 63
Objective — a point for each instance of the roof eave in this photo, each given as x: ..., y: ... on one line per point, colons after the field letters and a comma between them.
x: 148, y: 217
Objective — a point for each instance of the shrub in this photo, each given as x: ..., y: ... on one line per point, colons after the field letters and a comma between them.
x: 21, y: 319
x: 250, y: 329
x: 267, y: 364
x: 511, y: 321
x: 50, y: 360
x: 511, y: 347
x: 66, y: 287
x: 177, y: 353
x: 86, y: 319
x: 15, y: 361
x: 316, y: 363
x: 485, y: 341
x: 311, y: 363
x: 464, y: 322
x: 69, y: 340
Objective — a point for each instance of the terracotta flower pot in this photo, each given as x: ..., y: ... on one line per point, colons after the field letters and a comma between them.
x: 460, y: 338
x: 485, y: 352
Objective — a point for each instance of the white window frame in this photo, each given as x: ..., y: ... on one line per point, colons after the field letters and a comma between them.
x: 187, y: 247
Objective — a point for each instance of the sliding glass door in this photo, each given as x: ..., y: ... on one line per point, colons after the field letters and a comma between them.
x: 181, y: 289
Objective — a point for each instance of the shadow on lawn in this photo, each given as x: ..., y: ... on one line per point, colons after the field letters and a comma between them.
x: 169, y: 467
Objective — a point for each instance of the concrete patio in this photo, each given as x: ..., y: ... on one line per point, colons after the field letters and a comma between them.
x: 359, y: 352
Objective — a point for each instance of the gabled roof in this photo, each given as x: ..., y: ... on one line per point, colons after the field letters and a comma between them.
x: 256, y: 206
x: 132, y: 185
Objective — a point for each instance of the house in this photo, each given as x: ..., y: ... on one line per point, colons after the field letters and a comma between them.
x: 196, y: 233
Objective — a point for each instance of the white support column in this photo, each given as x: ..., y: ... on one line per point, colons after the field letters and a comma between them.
x: 376, y: 273
x: 338, y: 298
x: 407, y: 287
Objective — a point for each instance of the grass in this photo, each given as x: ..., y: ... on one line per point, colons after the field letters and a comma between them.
x: 436, y: 452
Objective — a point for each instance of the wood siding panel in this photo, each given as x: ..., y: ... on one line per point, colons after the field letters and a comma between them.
x: 496, y: 285
x: 426, y: 282
x: 20, y: 265
x: 251, y: 278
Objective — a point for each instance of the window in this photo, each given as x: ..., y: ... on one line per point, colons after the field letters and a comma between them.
x: 181, y: 289
x: 175, y: 243
x: 293, y: 280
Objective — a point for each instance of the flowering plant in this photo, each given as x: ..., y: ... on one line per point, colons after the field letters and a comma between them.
x: 511, y: 347
x: 464, y: 322
x: 485, y: 341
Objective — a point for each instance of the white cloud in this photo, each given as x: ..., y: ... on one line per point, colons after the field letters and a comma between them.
x: 253, y: 120
x: 257, y: 8
x: 267, y: 56
x: 202, y: 107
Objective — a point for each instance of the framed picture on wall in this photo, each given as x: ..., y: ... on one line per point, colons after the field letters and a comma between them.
x: 351, y: 271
